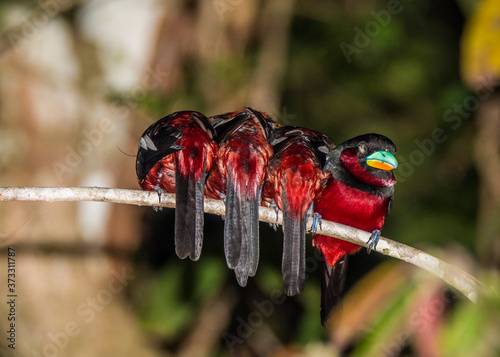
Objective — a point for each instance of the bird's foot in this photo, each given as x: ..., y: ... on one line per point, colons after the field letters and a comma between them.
x: 276, y: 210
x: 373, y: 241
x: 274, y: 206
x: 316, y: 223
x: 159, y: 191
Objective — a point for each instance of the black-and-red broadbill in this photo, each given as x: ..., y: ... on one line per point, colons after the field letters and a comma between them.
x: 244, y: 152
x: 359, y: 194
x: 294, y: 179
x: 175, y: 154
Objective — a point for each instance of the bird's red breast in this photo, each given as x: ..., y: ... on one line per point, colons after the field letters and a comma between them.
x: 350, y: 206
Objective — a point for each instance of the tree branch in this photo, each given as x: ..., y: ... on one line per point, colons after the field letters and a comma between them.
x: 463, y: 282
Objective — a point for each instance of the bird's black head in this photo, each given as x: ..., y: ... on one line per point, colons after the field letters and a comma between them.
x: 368, y: 158
x: 158, y: 141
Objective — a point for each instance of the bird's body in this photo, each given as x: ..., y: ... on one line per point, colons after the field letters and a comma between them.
x: 353, y: 207
x: 359, y: 194
x: 243, y: 157
x: 175, y: 154
x: 294, y: 180
x: 247, y: 159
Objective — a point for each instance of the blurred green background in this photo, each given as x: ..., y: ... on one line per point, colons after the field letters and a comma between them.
x: 81, y: 80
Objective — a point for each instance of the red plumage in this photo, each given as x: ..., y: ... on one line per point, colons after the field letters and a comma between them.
x: 351, y: 207
x: 294, y: 179
x: 175, y: 154
x: 357, y: 194
x: 243, y: 157
x: 247, y: 159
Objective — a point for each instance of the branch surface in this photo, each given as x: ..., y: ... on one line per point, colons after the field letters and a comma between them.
x: 463, y: 282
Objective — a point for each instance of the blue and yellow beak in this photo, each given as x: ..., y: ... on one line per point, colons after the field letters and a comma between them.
x: 382, y: 160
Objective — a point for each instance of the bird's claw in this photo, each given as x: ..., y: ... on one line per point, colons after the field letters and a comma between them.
x: 276, y: 210
x: 159, y: 191
x: 274, y: 206
x: 373, y: 241
x: 316, y: 222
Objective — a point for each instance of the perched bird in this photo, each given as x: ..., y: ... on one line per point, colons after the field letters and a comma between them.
x: 359, y: 194
x: 244, y: 152
x: 175, y: 154
x: 295, y: 178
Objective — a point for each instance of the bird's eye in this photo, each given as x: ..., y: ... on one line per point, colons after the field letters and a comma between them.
x: 362, y: 148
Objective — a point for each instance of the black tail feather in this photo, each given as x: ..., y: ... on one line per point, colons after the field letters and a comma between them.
x: 232, y: 228
x: 189, y: 217
x: 254, y: 235
x: 249, y: 255
x: 332, y: 286
x: 241, y: 234
x: 293, y: 266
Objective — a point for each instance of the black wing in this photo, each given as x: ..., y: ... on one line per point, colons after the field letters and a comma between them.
x: 158, y: 141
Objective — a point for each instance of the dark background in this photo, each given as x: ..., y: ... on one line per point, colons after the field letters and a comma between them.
x: 81, y: 80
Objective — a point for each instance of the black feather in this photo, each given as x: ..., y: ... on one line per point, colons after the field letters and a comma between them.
x: 241, y: 234
x: 232, y: 230
x: 225, y: 126
x: 332, y: 286
x: 164, y: 144
x: 252, y: 227
x: 293, y: 266
x: 265, y: 124
x: 189, y: 216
